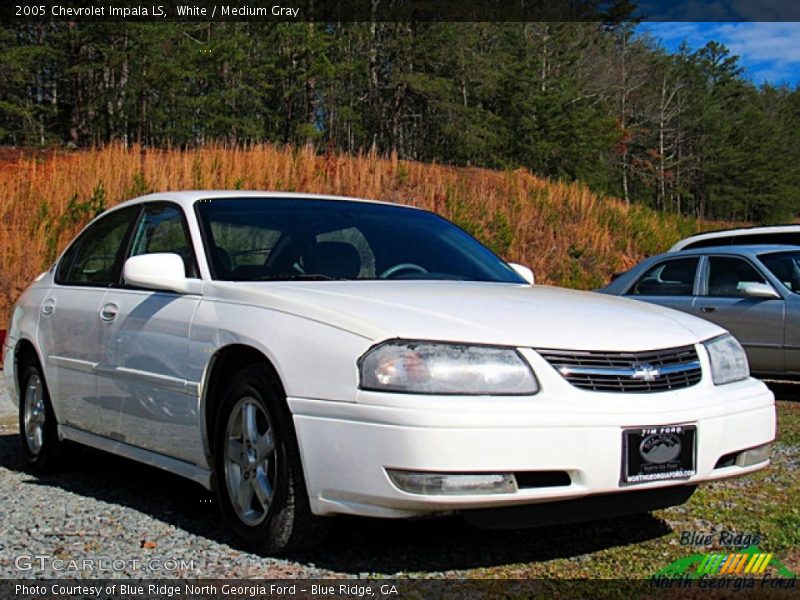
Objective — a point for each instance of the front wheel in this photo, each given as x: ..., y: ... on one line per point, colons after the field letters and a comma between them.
x: 37, y: 421
x: 259, y: 476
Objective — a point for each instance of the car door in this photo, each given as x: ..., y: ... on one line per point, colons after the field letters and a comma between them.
x: 71, y: 324
x: 147, y: 398
x: 670, y: 282
x: 784, y: 267
x: 791, y: 347
x: 758, y: 323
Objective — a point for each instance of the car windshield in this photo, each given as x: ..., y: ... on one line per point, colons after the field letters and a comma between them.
x: 266, y: 239
x: 785, y: 266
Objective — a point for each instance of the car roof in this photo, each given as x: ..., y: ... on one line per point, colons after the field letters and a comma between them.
x: 187, y: 198
x: 723, y: 234
x: 743, y: 249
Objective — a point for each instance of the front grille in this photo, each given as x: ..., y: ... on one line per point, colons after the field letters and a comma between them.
x: 637, y: 372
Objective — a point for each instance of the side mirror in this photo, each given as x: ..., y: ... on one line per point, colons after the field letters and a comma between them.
x: 524, y: 272
x: 758, y: 290
x: 160, y: 271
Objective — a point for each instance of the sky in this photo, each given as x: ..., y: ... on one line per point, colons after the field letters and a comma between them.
x: 769, y: 52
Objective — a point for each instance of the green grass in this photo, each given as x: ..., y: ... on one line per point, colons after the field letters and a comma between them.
x: 789, y: 424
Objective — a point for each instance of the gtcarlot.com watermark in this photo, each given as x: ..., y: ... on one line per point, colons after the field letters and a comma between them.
x: 44, y: 562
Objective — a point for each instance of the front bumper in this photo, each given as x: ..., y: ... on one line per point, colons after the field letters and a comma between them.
x: 347, y: 447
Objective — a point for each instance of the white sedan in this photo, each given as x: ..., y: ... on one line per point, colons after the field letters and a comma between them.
x: 310, y: 356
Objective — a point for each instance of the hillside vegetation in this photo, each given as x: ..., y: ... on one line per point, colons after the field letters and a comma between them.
x: 595, y: 100
x: 567, y: 234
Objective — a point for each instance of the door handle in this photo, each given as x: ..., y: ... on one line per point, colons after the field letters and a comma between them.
x: 109, y: 312
x: 48, y: 306
x: 708, y: 308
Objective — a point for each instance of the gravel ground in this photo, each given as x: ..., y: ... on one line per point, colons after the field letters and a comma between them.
x: 103, y: 508
x: 7, y: 408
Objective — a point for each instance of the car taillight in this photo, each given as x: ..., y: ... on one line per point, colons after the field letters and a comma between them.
x: 2, y: 345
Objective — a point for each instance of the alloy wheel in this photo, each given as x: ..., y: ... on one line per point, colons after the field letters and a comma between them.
x: 34, y: 414
x: 250, y: 461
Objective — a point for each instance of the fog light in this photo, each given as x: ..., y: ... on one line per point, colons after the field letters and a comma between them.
x: 453, y: 484
x: 753, y: 456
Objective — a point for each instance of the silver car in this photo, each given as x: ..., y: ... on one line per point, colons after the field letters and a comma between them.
x: 752, y: 291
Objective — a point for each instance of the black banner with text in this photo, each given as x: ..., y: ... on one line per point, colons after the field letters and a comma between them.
x: 611, y: 11
x: 387, y: 589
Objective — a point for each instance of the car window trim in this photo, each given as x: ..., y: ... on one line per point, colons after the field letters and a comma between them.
x: 205, y: 237
x: 81, y: 238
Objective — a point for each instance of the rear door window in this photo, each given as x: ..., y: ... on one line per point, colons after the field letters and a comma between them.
x: 95, y: 258
x: 668, y: 278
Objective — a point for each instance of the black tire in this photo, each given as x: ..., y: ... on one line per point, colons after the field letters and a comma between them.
x: 287, y: 524
x: 40, y: 443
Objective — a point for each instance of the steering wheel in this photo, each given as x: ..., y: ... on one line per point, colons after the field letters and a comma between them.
x: 402, y: 267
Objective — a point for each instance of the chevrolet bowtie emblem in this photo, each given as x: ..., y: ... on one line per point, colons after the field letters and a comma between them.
x: 645, y: 372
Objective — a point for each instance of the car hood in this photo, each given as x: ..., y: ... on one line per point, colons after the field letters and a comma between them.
x: 489, y: 313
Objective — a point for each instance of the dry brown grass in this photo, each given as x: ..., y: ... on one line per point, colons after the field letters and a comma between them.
x: 568, y: 235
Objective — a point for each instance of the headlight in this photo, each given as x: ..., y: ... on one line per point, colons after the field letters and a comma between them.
x: 442, y: 368
x: 728, y: 360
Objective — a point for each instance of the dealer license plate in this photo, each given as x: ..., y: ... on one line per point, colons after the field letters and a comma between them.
x: 658, y: 453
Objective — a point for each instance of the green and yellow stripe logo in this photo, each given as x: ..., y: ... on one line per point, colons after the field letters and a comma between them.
x: 734, y: 564
x: 749, y: 561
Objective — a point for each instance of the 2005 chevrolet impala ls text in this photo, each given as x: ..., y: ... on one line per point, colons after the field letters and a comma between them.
x: 311, y: 356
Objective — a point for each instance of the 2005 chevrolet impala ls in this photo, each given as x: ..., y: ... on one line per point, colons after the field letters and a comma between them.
x: 310, y: 356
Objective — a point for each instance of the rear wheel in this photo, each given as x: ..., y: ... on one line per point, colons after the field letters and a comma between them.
x: 37, y: 421
x: 259, y: 477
